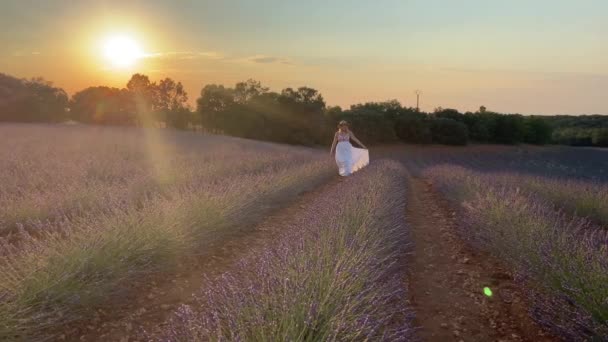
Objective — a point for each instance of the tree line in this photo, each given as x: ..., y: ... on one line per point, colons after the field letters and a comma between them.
x: 584, y: 130
x: 141, y: 102
x: 293, y: 115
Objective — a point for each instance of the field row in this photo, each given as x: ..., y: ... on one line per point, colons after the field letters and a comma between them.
x: 553, y: 232
x: 562, y: 162
x: 47, y: 184
x: 334, y: 274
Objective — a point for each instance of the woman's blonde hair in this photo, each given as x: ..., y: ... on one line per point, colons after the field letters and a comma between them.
x: 343, y: 123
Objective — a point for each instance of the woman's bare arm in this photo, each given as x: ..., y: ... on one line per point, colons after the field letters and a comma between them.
x: 333, y: 145
x: 352, y: 136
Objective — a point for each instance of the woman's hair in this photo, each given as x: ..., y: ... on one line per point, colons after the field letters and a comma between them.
x: 343, y: 123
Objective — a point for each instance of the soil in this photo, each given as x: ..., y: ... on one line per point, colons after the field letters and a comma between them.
x: 447, y: 281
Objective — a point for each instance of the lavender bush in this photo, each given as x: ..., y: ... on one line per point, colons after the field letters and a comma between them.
x: 565, y: 257
x: 563, y: 162
x: 333, y: 274
x: 76, y: 261
x: 49, y: 173
x: 586, y: 199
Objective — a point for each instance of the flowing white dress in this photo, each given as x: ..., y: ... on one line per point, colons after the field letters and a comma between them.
x: 349, y: 158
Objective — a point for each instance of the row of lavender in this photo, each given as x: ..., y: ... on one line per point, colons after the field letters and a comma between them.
x: 564, y: 162
x: 77, y: 259
x: 49, y: 173
x: 335, y: 273
x: 586, y: 199
x: 552, y: 231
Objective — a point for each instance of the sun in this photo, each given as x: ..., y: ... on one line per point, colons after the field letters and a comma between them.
x: 122, y: 51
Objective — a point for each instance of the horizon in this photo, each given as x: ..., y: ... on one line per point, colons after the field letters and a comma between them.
x: 542, y: 58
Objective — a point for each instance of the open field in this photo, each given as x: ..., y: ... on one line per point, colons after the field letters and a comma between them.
x: 266, y: 242
x: 109, y: 206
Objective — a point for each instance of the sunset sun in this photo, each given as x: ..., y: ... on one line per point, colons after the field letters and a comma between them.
x: 121, y: 51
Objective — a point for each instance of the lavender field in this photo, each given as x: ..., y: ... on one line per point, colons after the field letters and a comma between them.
x: 335, y: 274
x: 547, y: 218
x: 88, y: 213
x: 86, y: 209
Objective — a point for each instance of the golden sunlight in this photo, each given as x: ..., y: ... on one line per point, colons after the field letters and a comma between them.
x: 121, y: 51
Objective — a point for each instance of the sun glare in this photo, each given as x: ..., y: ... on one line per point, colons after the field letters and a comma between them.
x: 121, y: 51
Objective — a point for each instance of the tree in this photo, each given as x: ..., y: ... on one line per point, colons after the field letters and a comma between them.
x: 390, y: 109
x: 34, y: 100
x: 305, y: 108
x: 214, y: 100
x: 370, y: 126
x: 179, y: 118
x: 172, y: 104
x: 145, y: 95
x: 140, y: 84
x: 248, y: 90
x: 305, y: 100
x: 599, y: 137
x: 171, y: 95
x: 103, y: 105
x: 449, y: 132
x: 537, y: 131
x: 333, y: 112
x: 47, y: 103
x: 509, y: 129
x: 449, y: 113
x: 414, y: 129
x: 481, y: 126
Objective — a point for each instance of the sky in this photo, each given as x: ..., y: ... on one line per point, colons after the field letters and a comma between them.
x: 517, y: 56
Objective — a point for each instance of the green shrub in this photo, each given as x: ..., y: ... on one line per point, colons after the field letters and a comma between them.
x: 537, y: 131
x: 415, y: 130
x: 449, y: 132
x: 371, y: 127
x: 599, y: 137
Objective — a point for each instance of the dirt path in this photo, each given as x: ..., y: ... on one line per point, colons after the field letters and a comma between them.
x: 447, y: 281
x: 147, y: 306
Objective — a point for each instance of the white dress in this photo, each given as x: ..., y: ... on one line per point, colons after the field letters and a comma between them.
x: 349, y: 158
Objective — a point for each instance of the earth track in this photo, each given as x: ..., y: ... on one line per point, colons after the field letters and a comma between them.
x: 447, y: 281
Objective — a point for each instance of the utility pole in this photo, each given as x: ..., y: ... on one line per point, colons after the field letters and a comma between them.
x: 418, y: 92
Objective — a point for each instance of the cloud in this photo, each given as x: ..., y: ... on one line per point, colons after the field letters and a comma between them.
x: 268, y: 59
x: 212, y: 55
x: 23, y: 54
x: 183, y: 55
x: 181, y: 71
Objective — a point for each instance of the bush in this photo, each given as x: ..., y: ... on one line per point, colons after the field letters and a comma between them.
x: 34, y: 100
x: 179, y: 118
x: 537, y: 131
x: 600, y: 137
x: 480, y: 126
x: 573, y: 137
x: 416, y: 130
x: 449, y: 132
x: 449, y: 113
x: 509, y: 129
x: 370, y: 127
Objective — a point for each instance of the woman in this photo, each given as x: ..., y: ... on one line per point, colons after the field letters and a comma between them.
x: 348, y: 158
